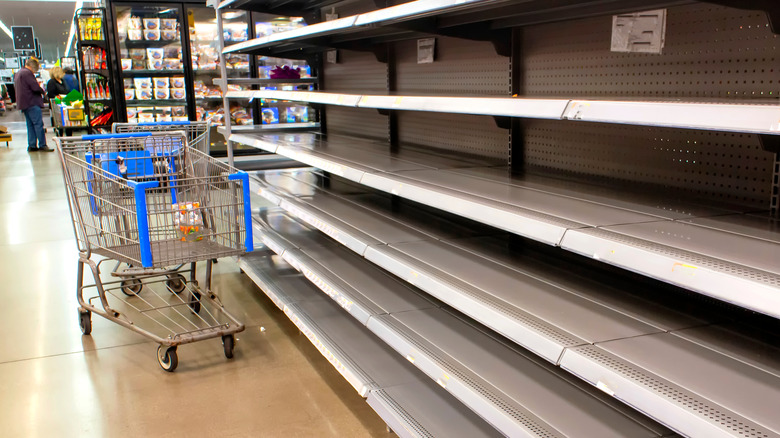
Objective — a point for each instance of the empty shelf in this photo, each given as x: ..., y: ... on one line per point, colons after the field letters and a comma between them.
x: 607, y: 227
x: 518, y: 395
x: 749, y: 117
x: 408, y: 402
x: 623, y: 343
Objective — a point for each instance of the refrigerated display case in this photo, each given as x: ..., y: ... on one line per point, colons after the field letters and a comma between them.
x: 94, y: 67
x: 155, y: 79
x: 204, y: 49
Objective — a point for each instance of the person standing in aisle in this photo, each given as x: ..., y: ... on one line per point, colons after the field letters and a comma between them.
x: 29, y: 99
x: 70, y: 80
x: 56, y: 85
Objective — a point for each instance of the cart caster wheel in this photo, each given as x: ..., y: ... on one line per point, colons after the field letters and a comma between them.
x: 176, y: 283
x: 195, y: 302
x: 131, y: 287
x: 228, y: 342
x: 167, y: 358
x: 85, y: 321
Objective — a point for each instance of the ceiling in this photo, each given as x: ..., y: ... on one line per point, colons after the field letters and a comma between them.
x: 50, y: 20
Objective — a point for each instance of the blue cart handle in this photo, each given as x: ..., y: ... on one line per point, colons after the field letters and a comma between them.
x: 142, y: 212
x: 183, y: 122
x: 108, y: 136
x: 249, y: 243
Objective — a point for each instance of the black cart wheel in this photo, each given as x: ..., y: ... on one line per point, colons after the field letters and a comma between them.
x: 195, y: 301
x: 131, y: 287
x: 167, y: 358
x: 228, y: 342
x: 176, y: 283
x: 85, y: 321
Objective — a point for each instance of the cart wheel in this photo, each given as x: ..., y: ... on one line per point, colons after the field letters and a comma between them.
x: 195, y: 302
x: 228, y: 342
x: 167, y: 358
x: 176, y: 283
x: 131, y: 287
x: 85, y: 321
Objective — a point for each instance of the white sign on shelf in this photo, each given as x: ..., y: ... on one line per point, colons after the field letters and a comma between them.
x: 426, y: 50
x: 643, y: 32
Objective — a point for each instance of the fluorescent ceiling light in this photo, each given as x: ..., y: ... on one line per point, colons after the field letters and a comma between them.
x: 72, y: 36
x: 6, y: 30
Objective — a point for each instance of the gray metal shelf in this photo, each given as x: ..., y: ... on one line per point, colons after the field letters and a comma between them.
x: 596, y: 228
x: 370, y: 366
x: 549, y: 304
x: 469, y: 364
x: 761, y: 117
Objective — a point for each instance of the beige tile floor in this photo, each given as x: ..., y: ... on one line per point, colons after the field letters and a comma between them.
x: 54, y: 382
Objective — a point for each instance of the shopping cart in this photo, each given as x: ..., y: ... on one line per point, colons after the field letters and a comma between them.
x: 198, y: 133
x: 154, y: 204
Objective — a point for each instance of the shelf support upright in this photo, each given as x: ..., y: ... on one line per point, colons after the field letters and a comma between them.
x: 516, y: 137
x: 224, y: 85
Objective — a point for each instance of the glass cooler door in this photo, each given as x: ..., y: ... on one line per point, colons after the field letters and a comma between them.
x: 151, y: 59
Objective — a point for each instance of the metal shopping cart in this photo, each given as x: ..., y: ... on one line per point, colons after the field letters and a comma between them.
x: 198, y: 133
x: 154, y: 205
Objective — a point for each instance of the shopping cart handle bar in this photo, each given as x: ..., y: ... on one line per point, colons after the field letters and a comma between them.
x: 249, y: 242
x: 142, y: 213
x: 107, y: 136
x: 183, y: 122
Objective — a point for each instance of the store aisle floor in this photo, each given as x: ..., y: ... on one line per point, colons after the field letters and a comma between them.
x: 56, y: 382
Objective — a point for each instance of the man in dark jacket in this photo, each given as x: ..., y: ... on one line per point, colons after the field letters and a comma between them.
x: 29, y: 99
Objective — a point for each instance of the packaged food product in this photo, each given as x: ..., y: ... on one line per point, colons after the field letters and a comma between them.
x: 155, y: 53
x: 145, y: 117
x: 172, y: 64
x: 178, y: 93
x: 134, y: 23
x: 133, y: 120
x: 127, y: 63
x: 270, y: 115
x: 142, y: 83
x: 155, y: 64
x: 135, y: 34
x: 162, y: 82
x: 139, y: 64
x: 132, y: 112
x: 177, y: 82
x: 143, y: 93
x: 297, y: 114
x: 178, y: 111
x: 128, y: 82
x: 179, y: 119
x: 137, y: 54
x: 151, y: 23
x: 162, y: 118
x: 169, y: 35
x: 152, y: 35
x: 162, y: 93
x: 168, y: 24
x: 164, y: 110
x: 188, y: 221
x: 129, y: 94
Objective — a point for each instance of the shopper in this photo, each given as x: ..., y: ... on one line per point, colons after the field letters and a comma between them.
x: 70, y: 80
x: 29, y: 99
x: 56, y: 85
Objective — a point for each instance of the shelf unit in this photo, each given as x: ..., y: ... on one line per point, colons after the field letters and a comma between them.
x: 106, y: 73
x: 690, y: 203
x: 619, y: 338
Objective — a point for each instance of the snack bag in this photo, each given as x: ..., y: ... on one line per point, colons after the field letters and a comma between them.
x: 188, y: 221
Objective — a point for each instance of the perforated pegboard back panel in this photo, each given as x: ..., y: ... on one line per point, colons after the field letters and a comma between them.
x: 356, y: 73
x: 462, y: 68
x: 713, y: 165
x: 463, y: 134
x: 359, y: 122
x: 711, y: 51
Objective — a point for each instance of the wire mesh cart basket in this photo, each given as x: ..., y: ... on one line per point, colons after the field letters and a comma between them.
x: 155, y: 206
x: 198, y: 133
